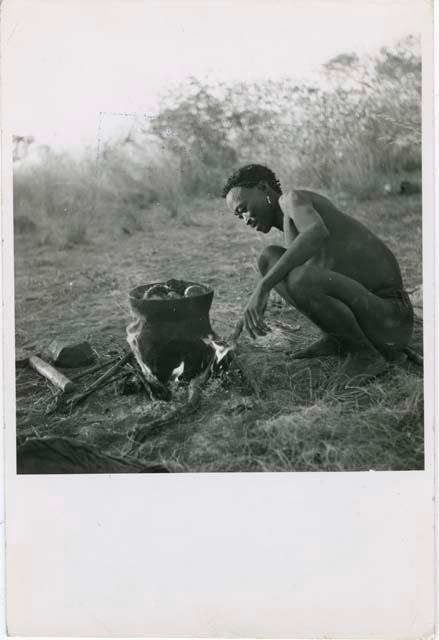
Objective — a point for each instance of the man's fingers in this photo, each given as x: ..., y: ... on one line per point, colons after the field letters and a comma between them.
x: 254, y: 324
x: 253, y: 319
x: 256, y: 327
x: 258, y: 324
x: 262, y: 326
x: 248, y: 327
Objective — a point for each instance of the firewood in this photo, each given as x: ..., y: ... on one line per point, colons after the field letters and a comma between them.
x: 102, y: 380
x: 96, y: 367
x: 151, y: 382
x: 237, y: 362
x: 158, y: 389
x: 88, y: 392
x: 237, y: 331
x: 53, y: 375
x: 139, y: 373
x: 146, y: 427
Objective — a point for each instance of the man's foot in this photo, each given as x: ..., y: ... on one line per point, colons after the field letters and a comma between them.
x: 359, y: 368
x: 400, y: 360
x: 326, y: 346
x: 396, y: 357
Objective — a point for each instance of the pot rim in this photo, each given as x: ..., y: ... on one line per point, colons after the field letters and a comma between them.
x: 136, y: 294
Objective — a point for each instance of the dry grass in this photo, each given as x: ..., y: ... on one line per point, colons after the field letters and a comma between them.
x: 307, y: 419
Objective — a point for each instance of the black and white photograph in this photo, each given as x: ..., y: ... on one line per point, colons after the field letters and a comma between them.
x: 218, y: 262
x: 218, y: 239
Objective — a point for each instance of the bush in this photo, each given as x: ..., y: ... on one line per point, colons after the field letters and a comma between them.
x: 356, y: 129
x: 57, y: 196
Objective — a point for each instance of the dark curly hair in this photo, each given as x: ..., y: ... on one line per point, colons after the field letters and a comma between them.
x: 249, y: 176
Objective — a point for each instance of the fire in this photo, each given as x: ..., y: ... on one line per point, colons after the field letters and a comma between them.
x: 221, y: 350
x: 133, y: 331
x: 178, y: 371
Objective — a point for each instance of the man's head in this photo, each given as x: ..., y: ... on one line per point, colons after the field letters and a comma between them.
x: 252, y: 194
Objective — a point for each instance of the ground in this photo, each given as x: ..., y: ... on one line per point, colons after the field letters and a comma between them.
x: 306, y: 419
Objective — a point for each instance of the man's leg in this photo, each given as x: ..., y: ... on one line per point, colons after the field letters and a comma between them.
x: 343, y: 309
x: 335, y: 320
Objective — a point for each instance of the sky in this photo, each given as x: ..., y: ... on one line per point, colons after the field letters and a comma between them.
x: 76, y: 71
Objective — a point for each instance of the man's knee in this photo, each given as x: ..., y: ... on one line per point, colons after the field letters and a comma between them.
x: 269, y: 256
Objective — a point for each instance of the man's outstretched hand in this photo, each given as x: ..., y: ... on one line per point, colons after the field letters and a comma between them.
x: 254, y: 313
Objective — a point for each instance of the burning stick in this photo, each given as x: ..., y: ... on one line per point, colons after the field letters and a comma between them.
x: 230, y: 351
x: 221, y: 349
x: 152, y: 384
x: 142, y: 430
x: 237, y: 331
x: 156, y: 387
x: 139, y: 374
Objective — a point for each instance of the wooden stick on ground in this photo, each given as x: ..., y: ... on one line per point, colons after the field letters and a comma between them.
x: 145, y: 427
x: 238, y: 363
x: 53, y: 375
x: 288, y: 327
x: 100, y: 381
x: 139, y: 374
x: 96, y: 367
x: 158, y: 389
x: 77, y: 399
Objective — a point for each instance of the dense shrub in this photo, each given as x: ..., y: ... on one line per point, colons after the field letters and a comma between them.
x: 356, y: 128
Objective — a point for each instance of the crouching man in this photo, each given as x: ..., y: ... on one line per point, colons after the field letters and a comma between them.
x: 332, y: 269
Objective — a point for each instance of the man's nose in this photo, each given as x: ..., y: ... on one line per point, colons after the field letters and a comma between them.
x: 246, y: 216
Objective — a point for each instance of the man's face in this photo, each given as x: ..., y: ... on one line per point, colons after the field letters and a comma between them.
x: 250, y: 204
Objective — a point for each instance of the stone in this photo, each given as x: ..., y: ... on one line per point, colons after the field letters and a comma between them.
x: 194, y: 290
x: 71, y: 355
x: 156, y: 292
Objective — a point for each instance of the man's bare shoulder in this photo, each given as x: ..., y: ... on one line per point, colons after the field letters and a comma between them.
x: 322, y: 204
x: 296, y: 197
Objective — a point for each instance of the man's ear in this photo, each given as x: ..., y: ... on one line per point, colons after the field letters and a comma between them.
x: 262, y: 186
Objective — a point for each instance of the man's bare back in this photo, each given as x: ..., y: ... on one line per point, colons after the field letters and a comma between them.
x: 351, y: 248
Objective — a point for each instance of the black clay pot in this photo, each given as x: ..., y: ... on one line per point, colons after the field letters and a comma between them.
x: 170, y: 331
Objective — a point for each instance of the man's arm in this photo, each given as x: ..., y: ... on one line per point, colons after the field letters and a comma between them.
x: 312, y: 232
x: 290, y: 231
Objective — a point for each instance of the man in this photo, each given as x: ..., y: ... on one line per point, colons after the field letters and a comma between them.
x: 332, y: 269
